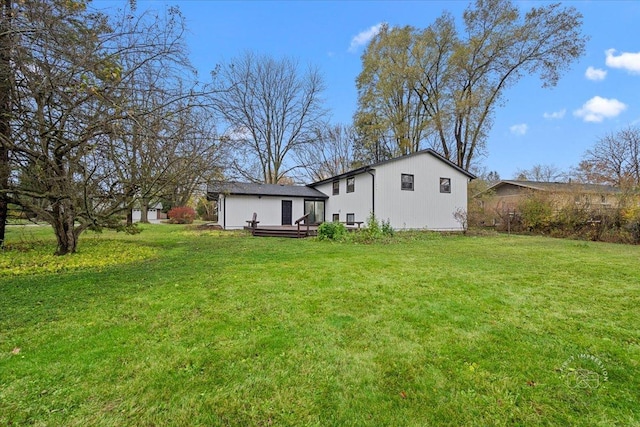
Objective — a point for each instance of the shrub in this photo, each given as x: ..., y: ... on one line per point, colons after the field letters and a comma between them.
x: 536, y: 213
x: 373, y: 231
x: 462, y: 217
x: 373, y: 228
x: 331, y: 231
x: 181, y: 215
x: 387, y: 229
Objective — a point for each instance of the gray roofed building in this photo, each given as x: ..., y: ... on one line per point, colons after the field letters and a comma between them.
x: 558, y: 186
x: 417, y: 191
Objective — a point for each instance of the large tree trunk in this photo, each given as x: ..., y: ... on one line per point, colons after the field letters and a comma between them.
x: 63, y: 226
x: 144, y: 211
x: 5, y: 112
x: 4, y: 184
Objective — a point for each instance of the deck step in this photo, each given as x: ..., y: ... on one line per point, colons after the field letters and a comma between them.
x: 262, y: 232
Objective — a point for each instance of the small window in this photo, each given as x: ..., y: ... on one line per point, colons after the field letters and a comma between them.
x: 351, y: 219
x: 351, y: 184
x: 335, y: 217
x: 336, y: 187
x: 406, y: 182
x: 445, y: 185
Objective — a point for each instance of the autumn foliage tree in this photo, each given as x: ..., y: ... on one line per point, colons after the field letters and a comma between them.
x: 439, y: 86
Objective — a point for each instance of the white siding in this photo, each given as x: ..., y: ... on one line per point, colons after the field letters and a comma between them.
x: 425, y: 207
x: 236, y: 210
x: 358, y: 203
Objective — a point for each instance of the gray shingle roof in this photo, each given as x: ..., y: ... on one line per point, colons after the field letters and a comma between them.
x: 373, y: 166
x: 253, y: 189
x: 560, y: 186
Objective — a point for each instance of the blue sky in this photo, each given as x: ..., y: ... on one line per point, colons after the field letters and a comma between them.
x: 599, y: 95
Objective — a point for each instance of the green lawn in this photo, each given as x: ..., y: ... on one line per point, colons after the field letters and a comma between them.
x: 180, y: 327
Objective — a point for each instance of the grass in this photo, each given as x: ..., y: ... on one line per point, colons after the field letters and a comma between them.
x: 176, y: 326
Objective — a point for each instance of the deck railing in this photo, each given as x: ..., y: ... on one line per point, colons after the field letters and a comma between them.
x: 301, y: 219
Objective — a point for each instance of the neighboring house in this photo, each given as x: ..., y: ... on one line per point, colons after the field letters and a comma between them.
x: 504, y: 197
x: 154, y: 213
x: 418, y: 191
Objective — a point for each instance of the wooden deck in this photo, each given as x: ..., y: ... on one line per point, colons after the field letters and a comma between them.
x: 283, y: 231
x: 290, y: 230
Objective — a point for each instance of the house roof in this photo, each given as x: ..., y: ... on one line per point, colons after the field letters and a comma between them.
x: 373, y: 166
x: 256, y: 189
x: 558, y: 187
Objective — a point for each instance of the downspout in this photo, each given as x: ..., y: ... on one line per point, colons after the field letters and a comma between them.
x: 373, y: 191
x: 224, y: 212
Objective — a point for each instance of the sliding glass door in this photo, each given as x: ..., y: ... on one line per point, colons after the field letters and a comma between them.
x: 315, y: 209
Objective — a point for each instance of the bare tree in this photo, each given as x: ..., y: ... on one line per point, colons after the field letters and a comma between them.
x: 330, y: 153
x: 542, y: 173
x: 158, y: 145
x: 71, y: 72
x: 271, y: 110
x: 5, y: 110
x: 613, y: 160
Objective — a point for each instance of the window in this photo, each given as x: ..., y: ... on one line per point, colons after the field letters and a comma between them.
x: 335, y: 217
x: 336, y: 187
x: 351, y: 184
x: 445, y: 185
x: 406, y: 182
x: 351, y: 219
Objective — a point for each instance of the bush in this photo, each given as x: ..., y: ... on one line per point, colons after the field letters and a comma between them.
x: 386, y: 228
x: 181, y: 215
x: 331, y: 231
x: 462, y: 217
x: 539, y: 216
x: 372, y: 231
x: 536, y: 213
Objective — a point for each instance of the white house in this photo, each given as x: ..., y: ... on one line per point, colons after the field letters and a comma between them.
x: 418, y: 191
x: 154, y: 213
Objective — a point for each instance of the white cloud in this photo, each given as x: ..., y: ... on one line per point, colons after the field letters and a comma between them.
x: 626, y: 60
x: 520, y: 129
x: 597, y: 109
x: 595, y: 74
x: 555, y: 114
x: 364, y: 37
x: 239, y: 134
